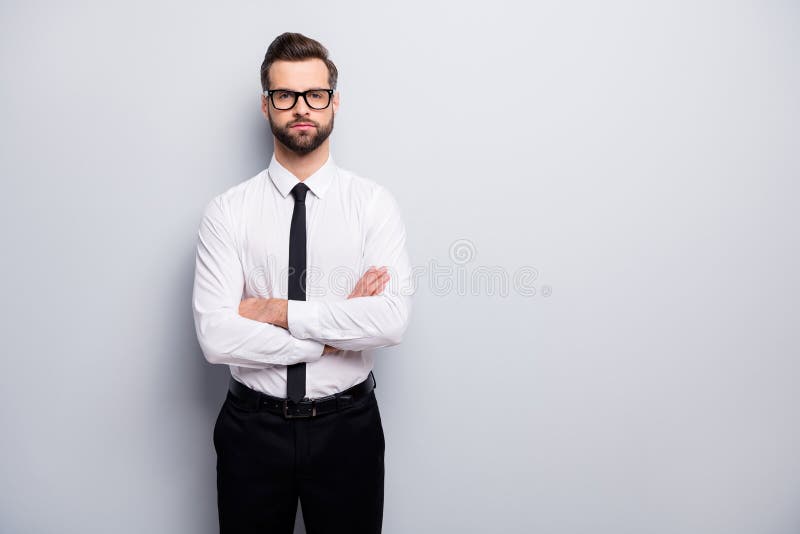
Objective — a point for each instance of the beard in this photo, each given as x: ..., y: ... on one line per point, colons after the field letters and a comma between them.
x: 302, y: 142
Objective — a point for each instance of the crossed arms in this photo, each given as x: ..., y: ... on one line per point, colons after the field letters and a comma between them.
x: 275, y: 311
x: 260, y: 333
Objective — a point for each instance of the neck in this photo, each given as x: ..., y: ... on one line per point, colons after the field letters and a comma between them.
x: 305, y: 165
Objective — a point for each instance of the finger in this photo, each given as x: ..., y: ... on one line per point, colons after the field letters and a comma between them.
x: 356, y: 291
x: 379, y: 284
x: 365, y: 277
x: 370, y: 283
x: 361, y: 287
x: 382, y: 284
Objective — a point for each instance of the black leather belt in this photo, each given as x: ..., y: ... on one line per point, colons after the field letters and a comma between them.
x: 305, y: 408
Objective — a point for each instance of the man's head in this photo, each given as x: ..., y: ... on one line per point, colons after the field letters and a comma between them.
x: 295, y: 62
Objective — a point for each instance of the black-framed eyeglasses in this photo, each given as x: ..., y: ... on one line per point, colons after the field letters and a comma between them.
x: 284, y: 99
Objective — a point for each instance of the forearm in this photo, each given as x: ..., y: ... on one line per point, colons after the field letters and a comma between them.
x: 225, y: 337
x: 354, y: 324
x: 272, y: 311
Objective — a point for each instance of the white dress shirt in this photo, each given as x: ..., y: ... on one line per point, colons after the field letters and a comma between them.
x: 352, y: 223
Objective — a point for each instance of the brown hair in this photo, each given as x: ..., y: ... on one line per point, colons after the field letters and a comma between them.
x: 296, y: 47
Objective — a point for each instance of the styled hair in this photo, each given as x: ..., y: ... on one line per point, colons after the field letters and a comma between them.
x: 290, y: 46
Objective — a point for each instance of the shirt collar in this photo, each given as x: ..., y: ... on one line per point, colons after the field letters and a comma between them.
x: 318, y: 182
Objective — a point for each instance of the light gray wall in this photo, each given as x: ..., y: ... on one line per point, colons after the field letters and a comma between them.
x: 642, y: 158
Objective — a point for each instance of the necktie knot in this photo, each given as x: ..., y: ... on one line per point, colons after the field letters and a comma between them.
x: 299, y: 192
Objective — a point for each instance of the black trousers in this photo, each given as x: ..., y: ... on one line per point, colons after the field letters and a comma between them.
x: 332, y: 463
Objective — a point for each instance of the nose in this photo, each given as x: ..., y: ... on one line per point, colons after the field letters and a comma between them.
x: 301, y: 108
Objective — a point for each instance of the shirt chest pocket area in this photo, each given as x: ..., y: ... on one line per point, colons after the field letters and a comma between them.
x: 335, y: 258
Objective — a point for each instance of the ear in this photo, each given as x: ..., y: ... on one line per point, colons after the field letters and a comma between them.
x: 264, y: 106
x: 335, y: 102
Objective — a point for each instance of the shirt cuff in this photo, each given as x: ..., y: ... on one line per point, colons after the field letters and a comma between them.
x: 302, y: 317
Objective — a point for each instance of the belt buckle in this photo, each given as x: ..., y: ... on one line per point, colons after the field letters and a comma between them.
x: 299, y: 415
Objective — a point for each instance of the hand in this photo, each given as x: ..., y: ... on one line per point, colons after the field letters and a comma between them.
x: 371, y: 283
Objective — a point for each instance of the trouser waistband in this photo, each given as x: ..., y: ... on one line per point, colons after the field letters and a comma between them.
x: 305, y: 408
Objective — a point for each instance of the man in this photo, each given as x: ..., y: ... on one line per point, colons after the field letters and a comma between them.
x: 300, y: 271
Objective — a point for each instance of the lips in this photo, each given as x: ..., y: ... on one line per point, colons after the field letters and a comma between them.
x: 303, y: 125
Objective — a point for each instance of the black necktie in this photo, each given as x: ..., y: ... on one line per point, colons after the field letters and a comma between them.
x: 296, y: 373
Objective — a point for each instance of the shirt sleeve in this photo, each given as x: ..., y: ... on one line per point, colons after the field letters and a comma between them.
x: 365, y: 322
x: 226, y: 337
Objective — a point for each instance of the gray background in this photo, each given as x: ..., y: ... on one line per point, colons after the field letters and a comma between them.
x: 643, y: 158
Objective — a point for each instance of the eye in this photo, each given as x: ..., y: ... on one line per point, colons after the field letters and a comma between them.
x: 283, y: 95
x: 316, y: 95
